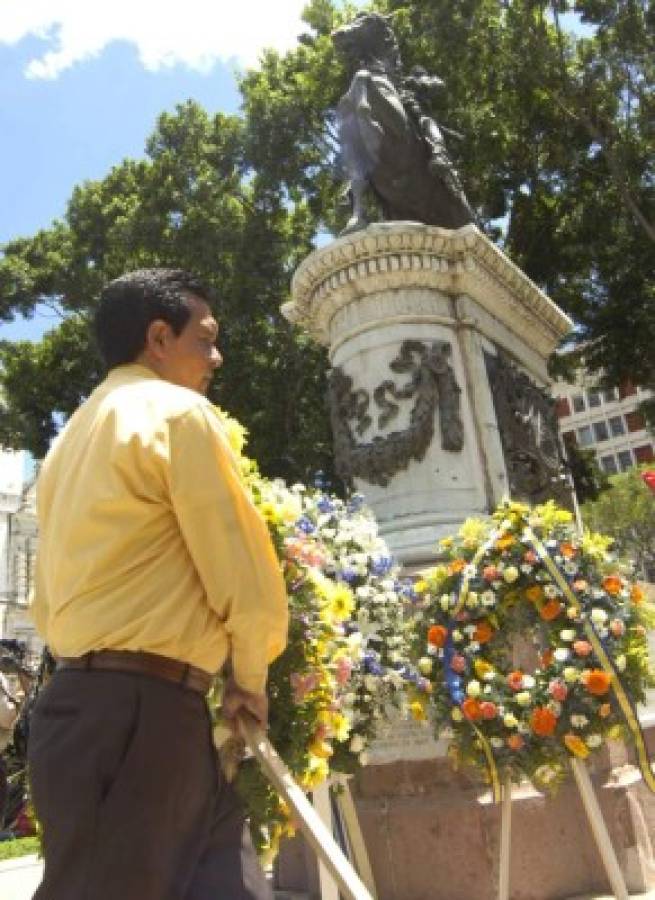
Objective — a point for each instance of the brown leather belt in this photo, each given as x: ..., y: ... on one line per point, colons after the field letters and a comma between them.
x: 141, y: 664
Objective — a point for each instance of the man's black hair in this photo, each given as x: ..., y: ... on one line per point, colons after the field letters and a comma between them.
x: 130, y: 303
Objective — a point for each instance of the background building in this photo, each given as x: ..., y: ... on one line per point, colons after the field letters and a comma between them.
x: 607, y: 420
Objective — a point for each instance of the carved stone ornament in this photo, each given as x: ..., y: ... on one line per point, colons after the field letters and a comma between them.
x: 528, y: 433
x: 431, y: 384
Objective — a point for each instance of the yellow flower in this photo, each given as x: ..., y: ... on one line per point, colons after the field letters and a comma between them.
x: 341, y: 726
x: 473, y: 532
x: 342, y: 602
x: 420, y: 587
x: 316, y: 773
x: 595, y: 545
x: 446, y: 542
x: 418, y: 710
x: 576, y: 746
x: 320, y: 748
x: 482, y: 668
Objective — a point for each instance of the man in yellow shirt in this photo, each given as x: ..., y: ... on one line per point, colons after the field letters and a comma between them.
x: 153, y: 570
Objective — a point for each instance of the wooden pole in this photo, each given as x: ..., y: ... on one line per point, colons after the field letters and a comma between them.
x: 599, y: 829
x: 323, y: 806
x: 355, y: 837
x: 311, y: 826
x: 505, y: 840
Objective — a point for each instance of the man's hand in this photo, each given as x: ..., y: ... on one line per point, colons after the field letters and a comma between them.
x: 236, y: 700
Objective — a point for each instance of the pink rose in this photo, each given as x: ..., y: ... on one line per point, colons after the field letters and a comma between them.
x: 458, y: 663
x: 344, y: 669
x: 488, y: 709
x: 617, y: 627
x: 558, y: 690
x: 490, y: 573
x: 582, y: 648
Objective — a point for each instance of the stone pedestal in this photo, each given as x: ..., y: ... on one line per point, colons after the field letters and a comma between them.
x: 424, y: 325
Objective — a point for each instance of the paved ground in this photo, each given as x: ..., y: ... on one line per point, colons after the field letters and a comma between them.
x: 20, y: 877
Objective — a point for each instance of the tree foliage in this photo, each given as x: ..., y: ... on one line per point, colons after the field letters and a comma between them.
x: 557, y: 159
x: 626, y: 512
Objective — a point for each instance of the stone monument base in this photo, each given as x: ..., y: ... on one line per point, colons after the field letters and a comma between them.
x: 434, y: 834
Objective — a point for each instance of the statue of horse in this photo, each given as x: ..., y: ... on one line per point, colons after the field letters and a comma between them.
x: 390, y: 146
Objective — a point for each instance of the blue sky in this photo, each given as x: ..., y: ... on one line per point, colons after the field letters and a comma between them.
x: 81, y: 85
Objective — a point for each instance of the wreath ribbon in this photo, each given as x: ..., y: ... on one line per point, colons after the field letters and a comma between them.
x: 605, y: 660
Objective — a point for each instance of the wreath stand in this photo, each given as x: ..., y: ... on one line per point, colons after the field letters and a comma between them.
x: 596, y: 823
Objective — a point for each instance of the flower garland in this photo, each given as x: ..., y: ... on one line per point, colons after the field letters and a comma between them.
x: 348, y: 648
x: 533, y: 639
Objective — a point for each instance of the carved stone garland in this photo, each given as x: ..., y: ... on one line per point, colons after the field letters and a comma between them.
x: 528, y: 432
x: 433, y: 384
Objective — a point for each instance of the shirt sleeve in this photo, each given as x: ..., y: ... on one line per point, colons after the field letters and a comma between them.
x: 229, y: 544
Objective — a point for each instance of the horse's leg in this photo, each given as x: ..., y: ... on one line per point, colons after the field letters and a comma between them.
x: 358, y: 219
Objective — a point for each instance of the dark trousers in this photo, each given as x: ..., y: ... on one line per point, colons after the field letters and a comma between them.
x: 133, y: 805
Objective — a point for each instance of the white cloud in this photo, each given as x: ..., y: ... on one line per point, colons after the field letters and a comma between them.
x: 195, y: 33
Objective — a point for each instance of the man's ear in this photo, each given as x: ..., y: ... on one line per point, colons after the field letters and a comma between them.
x: 158, y: 337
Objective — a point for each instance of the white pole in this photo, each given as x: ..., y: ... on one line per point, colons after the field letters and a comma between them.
x: 353, y: 830
x: 505, y: 840
x: 599, y: 829
x: 313, y: 829
x: 322, y: 805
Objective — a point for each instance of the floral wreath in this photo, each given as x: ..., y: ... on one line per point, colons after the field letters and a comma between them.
x: 347, y: 656
x: 525, y: 590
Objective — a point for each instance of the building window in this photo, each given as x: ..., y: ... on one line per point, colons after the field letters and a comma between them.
x: 627, y: 389
x: 600, y: 431
x: 569, y: 438
x: 562, y: 407
x: 635, y: 421
x: 593, y: 398
x: 608, y: 465
x: 625, y: 460
x: 610, y: 395
x: 616, y: 426
x: 585, y: 437
x: 644, y: 454
x: 578, y: 403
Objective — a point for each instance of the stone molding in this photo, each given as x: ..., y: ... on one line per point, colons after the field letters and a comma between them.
x: 408, y: 255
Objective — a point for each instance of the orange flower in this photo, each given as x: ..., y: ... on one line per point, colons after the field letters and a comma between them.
x: 490, y: 573
x: 534, y: 593
x: 483, y: 632
x: 612, y: 584
x: 456, y: 566
x: 550, y: 610
x: 488, y: 709
x: 530, y: 557
x: 582, y: 648
x: 543, y: 721
x: 515, y: 680
x: 598, y: 682
x: 604, y: 710
x: 576, y: 746
x: 505, y: 541
x: 437, y: 635
x: 567, y: 550
x: 515, y: 742
x: 637, y: 594
x: 546, y: 657
x: 471, y: 709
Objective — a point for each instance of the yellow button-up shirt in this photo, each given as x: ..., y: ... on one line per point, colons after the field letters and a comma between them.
x: 148, y: 540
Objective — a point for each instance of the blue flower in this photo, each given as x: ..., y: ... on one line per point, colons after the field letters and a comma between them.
x: 355, y: 503
x: 348, y: 575
x: 325, y: 505
x: 305, y: 525
x: 381, y: 565
x: 371, y: 665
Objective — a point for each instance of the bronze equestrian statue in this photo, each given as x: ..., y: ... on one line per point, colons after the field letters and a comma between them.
x: 390, y: 146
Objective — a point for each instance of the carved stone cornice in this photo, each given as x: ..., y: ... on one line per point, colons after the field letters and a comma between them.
x: 408, y: 255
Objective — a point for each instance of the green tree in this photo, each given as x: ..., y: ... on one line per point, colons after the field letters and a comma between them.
x: 192, y: 202
x: 626, y: 512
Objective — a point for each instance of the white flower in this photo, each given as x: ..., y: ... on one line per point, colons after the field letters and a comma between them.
x: 371, y: 683
x: 364, y: 591
x: 593, y: 740
x: 579, y: 721
x: 528, y: 682
x: 488, y: 598
x: 523, y: 698
x: 620, y: 662
x: 510, y: 721
x: 523, y: 728
x: 473, y: 688
x: 357, y: 743
x: 469, y: 630
x: 567, y: 634
x: 472, y: 600
x: 457, y: 635
x: 572, y: 612
x: 550, y: 591
x: 496, y: 742
x: 487, y: 688
x: 598, y: 616
x: 510, y: 574
x: 570, y: 568
x: 469, y: 571
x: 444, y: 602
x: 388, y: 584
x: 562, y: 654
x: 425, y: 665
x: 555, y: 707
x: 363, y: 758
x: 526, y: 568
